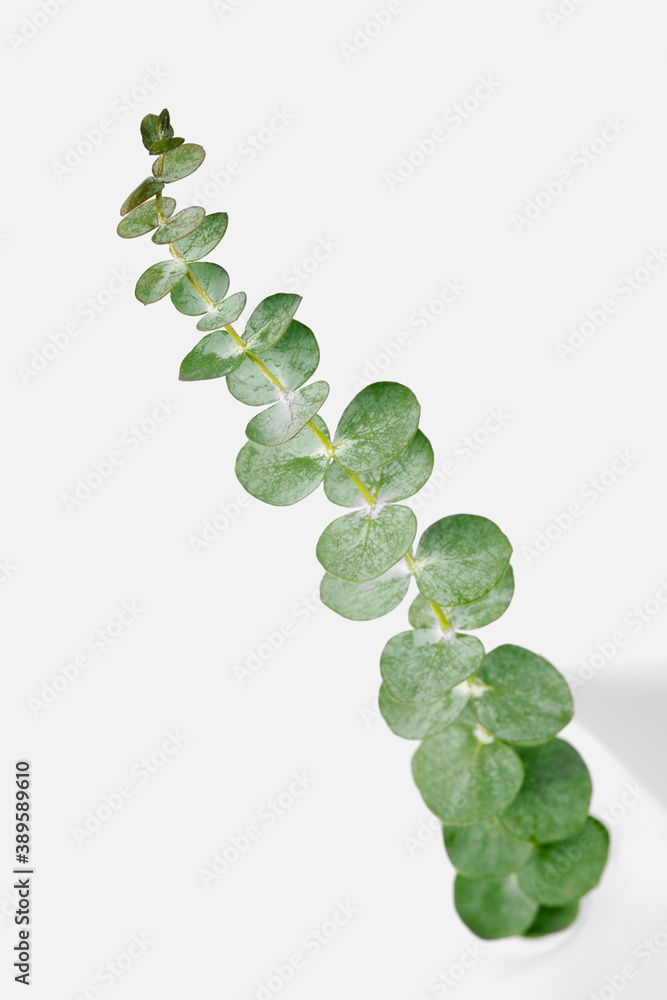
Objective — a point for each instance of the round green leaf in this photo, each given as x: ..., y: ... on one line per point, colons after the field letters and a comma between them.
x: 422, y: 614
x: 467, y: 616
x: 269, y: 321
x: 204, y: 239
x: 164, y: 145
x: 364, y: 545
x: 559, y: 873
x: 422, y: 663
x: 397, y: 480
x: 414, y: 722
x: 215, y: 355
x: 287, y: 473
x: 141, y: 193
x: 493, y: 908
x: 551, y: 919
x: 286, y: 417
x: 213, y: 279
x: 155, y: 127
x: 555, y: 795
x: 224, y: 313
x: 179, y: 162
x: 525, y: 699
x: 371, y: 599
x: 144, y: 217
x: 463, y: 777
x: 485, y: 850
x: 180, y: 225
x: 460, y: 558
x: 158, y: 280
x: 376, y: 426
x: 293, y: 359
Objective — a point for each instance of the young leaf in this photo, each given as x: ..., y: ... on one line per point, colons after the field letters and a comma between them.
x: 463, y: 777
x: 376, y: 426
x: 525, y: 700
x: 287, y: 473
x: 371, y: 599
x: 158, y: 280
x: 414, y: 722
x: 554, y: 798
x: 141, y: 193
x: 269, y: 321
x: 460, y: 558
x: 186, y: 221
x: 204, y: 239
x: 164, y: 145
x: 143, y: 218
x: 485, y: 850
x: 397, y: 480
x: 286, y: 417
x: 179, y: 162
x: 212, y: 278
x: 423, y: 663
x: 215, y: 355
x: 560, y: 873
x: 293, y: 359
x: 493, y: 908
x: 226, y: 312
x: 150, y: 130
x: 361, y: 546
x: 551, y: 919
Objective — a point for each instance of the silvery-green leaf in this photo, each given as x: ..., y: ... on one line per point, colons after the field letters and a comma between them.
x: 150, y: 130
x: 376, y: 426
x: 164, y: 145
x: 494, y: 908
x: 215, y: 355
x: 397, y: 480
x: 464, y: 776
x: 551, y: 919
x: 179, y: 162
x: 287, y: 473
x: 414, y: 722
x: 184, y: 222
x: 225, y: 313
x: 460, y: 558
x: 285, y: 418
x: 158, y: 280
x: 367, y: 600
x: 269, y: 321
x: 485, y: 850
x: 141, y: 193
x: 293, y: 359
x: 143, y: 218
x: 364, y: 545
x: 559, y: 873
x: 486, y: 609
x: 555, y: 795
x: 422, y: 613
x: 525, y: 699
x: 212, y: 278
x: 205, y: 238
x: 422, y: 663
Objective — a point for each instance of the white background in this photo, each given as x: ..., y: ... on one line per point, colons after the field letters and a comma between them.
x: 357, y: 101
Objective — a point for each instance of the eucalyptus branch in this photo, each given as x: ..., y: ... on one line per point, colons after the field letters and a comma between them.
x: 512, y: 797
